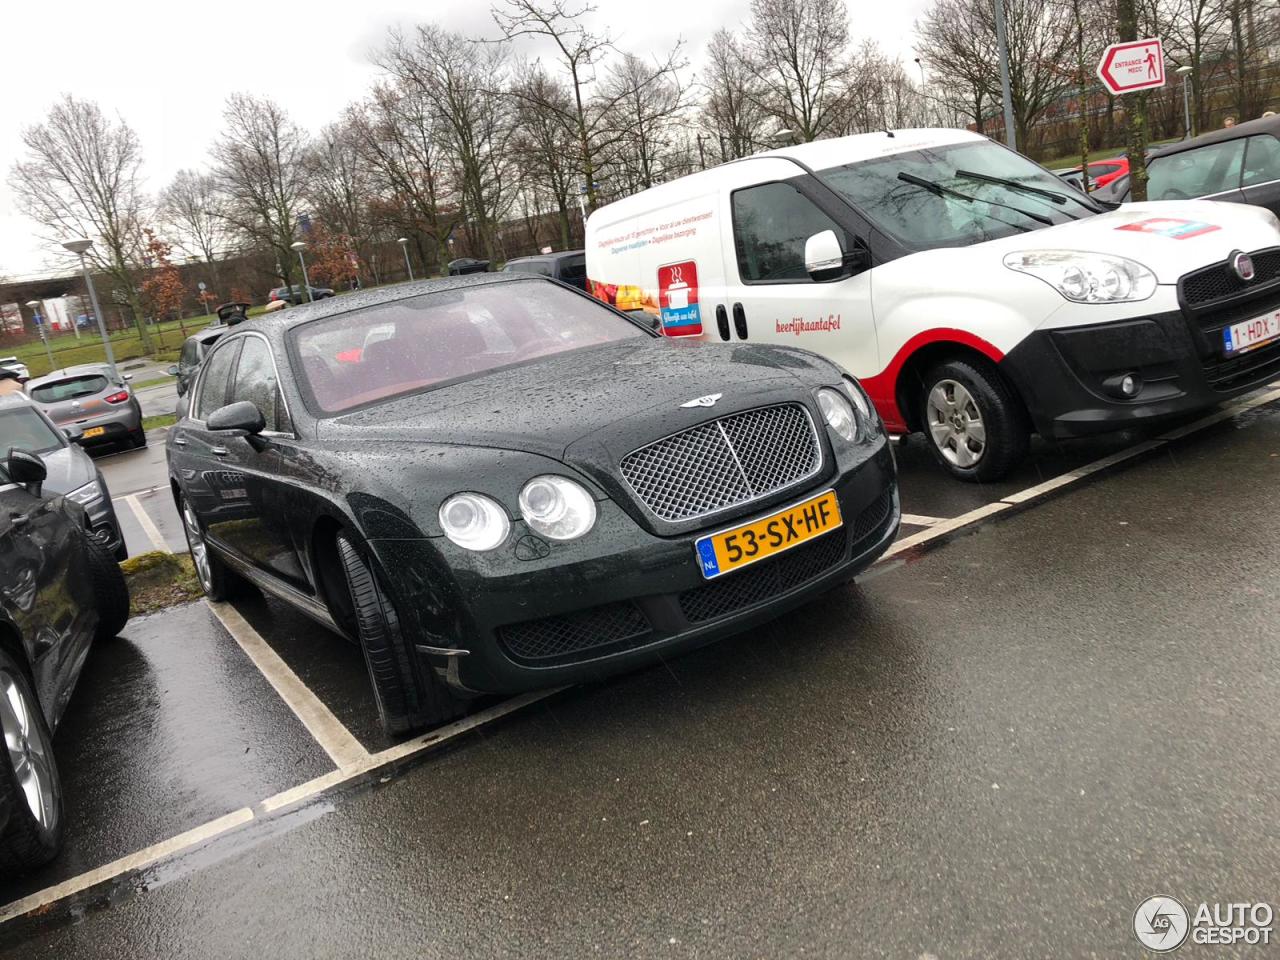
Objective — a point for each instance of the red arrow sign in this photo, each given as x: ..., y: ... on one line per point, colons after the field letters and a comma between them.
x: 1138, y: 65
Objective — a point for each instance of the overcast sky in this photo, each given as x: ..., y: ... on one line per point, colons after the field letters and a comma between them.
x: 167, y: 68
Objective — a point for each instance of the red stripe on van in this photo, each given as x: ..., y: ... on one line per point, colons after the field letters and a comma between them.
x: 883, y: 387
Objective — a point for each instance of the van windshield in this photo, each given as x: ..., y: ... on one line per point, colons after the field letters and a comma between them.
x: 939, y: 203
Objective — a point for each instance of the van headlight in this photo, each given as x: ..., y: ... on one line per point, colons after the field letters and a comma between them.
x: 473, y: 521
x: 838, y: 412
x: 557, y: 507
x: 1086, y: 277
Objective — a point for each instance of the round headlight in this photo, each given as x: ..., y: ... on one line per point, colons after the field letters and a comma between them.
x: 859, y: 399
x: 474, y: 521
x: 838, y: 413
x: 557, y: 507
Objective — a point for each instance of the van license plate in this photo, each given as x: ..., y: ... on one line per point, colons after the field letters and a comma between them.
x: 719, y: 553
x: 94, y: 432
x: 1249, y: 334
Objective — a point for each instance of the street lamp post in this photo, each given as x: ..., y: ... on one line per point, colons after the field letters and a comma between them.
x: 404, y: 245
x: 300, y: 246
x: 79, y: 247
x: 923, y: 97
x: 44, y: 335
x: 1186, y: 71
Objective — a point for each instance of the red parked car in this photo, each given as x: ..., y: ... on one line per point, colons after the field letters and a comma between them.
x: 1101, y: 172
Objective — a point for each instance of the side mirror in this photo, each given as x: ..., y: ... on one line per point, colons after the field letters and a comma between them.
x: 27, y: 469
x: 73, y: 433
x: 823, y: 256
x: 127, y: 377
x: 242, y: 417
x: 173, y: 370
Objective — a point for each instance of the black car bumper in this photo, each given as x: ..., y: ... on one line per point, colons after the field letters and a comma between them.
x: 1070, y: 378
x: 541, y: 621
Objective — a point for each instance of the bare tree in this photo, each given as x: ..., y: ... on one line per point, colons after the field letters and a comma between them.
x: 732, y: 105
x: 545, y: 142
x: 340, y: 184
x: 799, y: 50
x: 260, y: 169
x: 645, y: 105
x: 402, y: 141
x: 80, y: 178
x: 463, y: 83
x: 961, y: 54
x: 191, y: 208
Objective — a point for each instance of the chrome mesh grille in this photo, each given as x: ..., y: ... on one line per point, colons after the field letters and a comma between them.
x: 724, y: 462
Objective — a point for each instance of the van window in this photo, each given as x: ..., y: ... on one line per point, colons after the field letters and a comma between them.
x: 1205, y: 170
x: 1261, y: 160
x: 771, y: 223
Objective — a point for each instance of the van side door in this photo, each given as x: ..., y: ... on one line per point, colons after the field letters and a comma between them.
x: 771, y: 211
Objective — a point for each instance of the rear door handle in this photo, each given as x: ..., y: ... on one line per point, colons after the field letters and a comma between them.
x: 218, y: 451
x: 722, y: 321
x: 740, y: 321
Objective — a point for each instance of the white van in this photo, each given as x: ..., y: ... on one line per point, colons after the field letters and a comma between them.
x: 974, y: 294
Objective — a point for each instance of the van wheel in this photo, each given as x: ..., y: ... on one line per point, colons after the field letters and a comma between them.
x: 30, y: 788
x: 976, y: 426
x: 404, y: 703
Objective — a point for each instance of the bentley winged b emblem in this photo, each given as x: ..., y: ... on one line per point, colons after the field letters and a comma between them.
x: 708, y: 401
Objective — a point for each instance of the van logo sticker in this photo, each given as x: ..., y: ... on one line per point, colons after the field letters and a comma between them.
x: 708, y: 401
x: 678, y: 299
x: 1169, y: 227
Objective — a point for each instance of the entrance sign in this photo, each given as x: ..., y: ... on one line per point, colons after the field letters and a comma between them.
x: 1128, y: 67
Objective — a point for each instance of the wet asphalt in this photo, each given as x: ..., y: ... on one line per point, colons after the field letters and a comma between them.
x: 993, y: 748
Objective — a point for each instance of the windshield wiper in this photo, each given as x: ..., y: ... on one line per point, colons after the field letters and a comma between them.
x: 1058, y: 198
x: 940, y: 190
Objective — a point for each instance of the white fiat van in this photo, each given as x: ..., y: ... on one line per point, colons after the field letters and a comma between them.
x: 975, y: 296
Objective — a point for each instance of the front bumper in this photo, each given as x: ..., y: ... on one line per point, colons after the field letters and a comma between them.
x: 1069, y: 377
x: 104, y: 527
x: 535, y: 622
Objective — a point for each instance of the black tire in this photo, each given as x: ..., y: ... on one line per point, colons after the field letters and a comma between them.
x: 110, y: 591
x: 25, y: 842
x: 1007, y: 431
x: 218, y: 581
x: 407, y: 699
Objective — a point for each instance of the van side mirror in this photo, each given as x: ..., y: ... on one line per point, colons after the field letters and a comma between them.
x: 825, y: 259
x: 242, y: 418
x: 27, y: 469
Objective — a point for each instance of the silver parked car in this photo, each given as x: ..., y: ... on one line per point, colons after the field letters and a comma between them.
x: 69, y: 470
x: 17, y: 366
x: 91, y: 405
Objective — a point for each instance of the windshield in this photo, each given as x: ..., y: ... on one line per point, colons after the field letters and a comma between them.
x: 922, y: 219
x: 24, y: 429
x: 69, y: 389
x: 408, y: 345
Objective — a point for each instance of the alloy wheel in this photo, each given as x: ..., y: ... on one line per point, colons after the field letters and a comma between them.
x: 955, y: 423
x: 199, y: 550
x: 29, y: 753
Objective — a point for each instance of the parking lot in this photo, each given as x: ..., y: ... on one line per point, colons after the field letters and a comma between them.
x: 1056, y: 691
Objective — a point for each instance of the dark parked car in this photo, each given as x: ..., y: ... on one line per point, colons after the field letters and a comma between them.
x: 193, y: 352
x: 1239, y: 164
x: 569, y: 267
x: 497, y: 483
x: 464, y: 265
x: 296, y: 294
x: 71, y: 471
x: 93, y: 406
x: 61, y: 590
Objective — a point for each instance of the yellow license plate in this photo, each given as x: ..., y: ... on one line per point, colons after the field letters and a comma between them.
x: 94, y: 432
x: 719, y: 553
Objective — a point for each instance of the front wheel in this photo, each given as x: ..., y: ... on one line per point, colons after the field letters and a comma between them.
x: 29, y: 784
x: 975, y: 424
x: 217, y: 580
x: 405, y: 703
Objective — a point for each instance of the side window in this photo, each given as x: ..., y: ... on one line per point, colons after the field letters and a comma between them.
x: 1196, y: 173
x: 1261, y: 160
x: 213, y: 384
x: 771, y: 223
x: 188, y: 358
x: 255, y: 379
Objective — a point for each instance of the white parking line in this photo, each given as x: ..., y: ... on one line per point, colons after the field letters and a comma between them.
x: 139, y: 493
x: 185, y: 842
x: 328, y: 731
x: 916, y: 520
x: 145, y: 521
x: 354, y: 761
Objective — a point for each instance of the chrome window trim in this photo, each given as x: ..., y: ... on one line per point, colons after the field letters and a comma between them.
x: 755, y: 497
